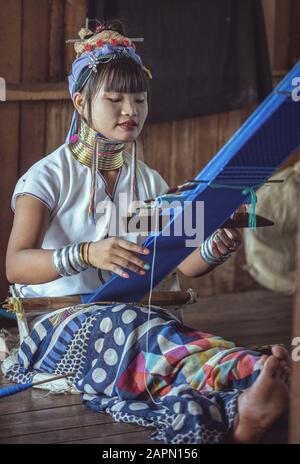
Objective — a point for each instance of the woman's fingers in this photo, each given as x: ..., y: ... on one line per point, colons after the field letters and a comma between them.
x: 132, y: 247
x: 119, y: 271
x: 220, y: 245
x: 128, y: 253
x: 129, y: 261
x: 234, y: 234
x: 126, y: 256
x: 222, y: 237
x: 215, y: 250
x: 227, y: 240
x: 115, y: 254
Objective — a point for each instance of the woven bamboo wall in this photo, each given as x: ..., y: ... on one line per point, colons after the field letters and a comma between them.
x: 34, y: 120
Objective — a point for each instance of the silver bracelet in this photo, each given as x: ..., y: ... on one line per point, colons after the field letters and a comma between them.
x: 56, y: 259
x: 77, y: 259
x: 73, y: 261
x: 67, y: 260
x: 207, y: 255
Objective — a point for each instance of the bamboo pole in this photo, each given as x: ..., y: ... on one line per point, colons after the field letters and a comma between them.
x: 50, y: 304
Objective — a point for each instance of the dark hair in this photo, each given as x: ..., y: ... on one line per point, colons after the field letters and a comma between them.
x: 122, y: 75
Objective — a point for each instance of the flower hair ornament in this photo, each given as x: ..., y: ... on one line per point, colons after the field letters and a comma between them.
x: 102, y: 46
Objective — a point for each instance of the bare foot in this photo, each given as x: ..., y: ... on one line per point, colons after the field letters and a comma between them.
x: 285, y: 361
x: 263, y: 403
x: 281, y: 353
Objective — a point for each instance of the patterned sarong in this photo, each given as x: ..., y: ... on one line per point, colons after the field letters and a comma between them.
x: 149, y: 370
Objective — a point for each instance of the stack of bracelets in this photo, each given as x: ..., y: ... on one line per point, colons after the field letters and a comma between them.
x: 72, y: 259
x: 206, y: 251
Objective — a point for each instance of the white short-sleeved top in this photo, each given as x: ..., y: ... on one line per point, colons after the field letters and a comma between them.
x: 63, y: 184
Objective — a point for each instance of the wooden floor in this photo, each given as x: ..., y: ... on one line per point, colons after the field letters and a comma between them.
x: 30, y: 417
x: 256, y: 317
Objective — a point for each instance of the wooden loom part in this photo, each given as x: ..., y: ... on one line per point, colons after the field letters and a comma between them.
x: 45, y: 304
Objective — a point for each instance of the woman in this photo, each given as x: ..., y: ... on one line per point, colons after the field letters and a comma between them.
x: 145, y: 368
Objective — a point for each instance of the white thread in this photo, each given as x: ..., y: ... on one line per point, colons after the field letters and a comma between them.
x: 149, y: 301
x: 131, y: 208
x: 57, y: 391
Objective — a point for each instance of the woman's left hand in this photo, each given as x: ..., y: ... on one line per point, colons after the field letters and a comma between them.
x: 226, y: 241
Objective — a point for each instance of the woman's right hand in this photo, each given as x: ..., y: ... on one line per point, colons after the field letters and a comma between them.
x: 114, y: 254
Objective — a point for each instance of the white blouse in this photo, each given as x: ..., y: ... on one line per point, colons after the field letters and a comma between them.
x: 63, y: 184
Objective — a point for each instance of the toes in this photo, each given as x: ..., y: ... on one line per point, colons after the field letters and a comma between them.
x: 287, y: 374
x: 261, y: 361
x: 281, y: 353
x: 281, y: 371
x: 263, y: 358
x: 283, y: 365
x: 287, y: 370
x: 271, y: 366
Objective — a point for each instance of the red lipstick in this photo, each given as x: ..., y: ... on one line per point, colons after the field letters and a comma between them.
x: 128, y: 125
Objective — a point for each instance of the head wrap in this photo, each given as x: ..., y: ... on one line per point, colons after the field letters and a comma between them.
x: 100, y: 48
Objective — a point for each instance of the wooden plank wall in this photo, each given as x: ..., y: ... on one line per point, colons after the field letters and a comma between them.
x: 11, y: 30
x: 33, y: 52
x: 34, y: 122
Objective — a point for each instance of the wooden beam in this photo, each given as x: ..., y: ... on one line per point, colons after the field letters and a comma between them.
x: 37, y: 91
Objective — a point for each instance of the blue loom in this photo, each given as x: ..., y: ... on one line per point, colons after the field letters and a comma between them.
x: 248, y: 159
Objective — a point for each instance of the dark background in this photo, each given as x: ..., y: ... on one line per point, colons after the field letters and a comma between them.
x: 205, y: 57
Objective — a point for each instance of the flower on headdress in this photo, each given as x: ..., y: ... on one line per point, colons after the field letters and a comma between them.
x: 113, y: 42
x: 100, y: 43
x: 88, y: 47
x: 126, y: 42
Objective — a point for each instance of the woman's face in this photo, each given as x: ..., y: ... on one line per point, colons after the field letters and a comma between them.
x: 110, y: 110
